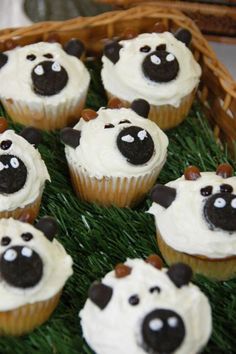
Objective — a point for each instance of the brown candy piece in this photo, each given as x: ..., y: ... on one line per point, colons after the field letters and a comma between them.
x: 27, y: 217
x: 122, y: 270
x: 114, y: 102
x: 224, y: 170
x: 130, y: 33
x: 159, y: 27
x: 155, y: 261
x: 88, y: 114
x: 192, y: 173
x: 3, y: 124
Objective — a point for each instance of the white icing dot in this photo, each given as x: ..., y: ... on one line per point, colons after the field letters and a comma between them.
x: 170, y: 57
x: 155, y: 59
x: 142, y: 134
x: 128, y: 138
x: 233, y: 203
x: 27, y: 252
x: 56, y: 66
x: 156, y: 324
x: 10, y: 255
x: 14, y: 162
x: 1, y: 166
x: 172, y: 321
x: 39, y: 70
x: 219, y: 203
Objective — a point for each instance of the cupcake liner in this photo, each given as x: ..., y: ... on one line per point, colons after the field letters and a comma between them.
x: 25, y: 318
x: 216, y: 269
x: 29, y: 212
x: 166, y: 116
x: 45, y: 116
x: 118, y: 191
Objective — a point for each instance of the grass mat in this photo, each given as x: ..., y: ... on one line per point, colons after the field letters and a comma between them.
x: 98, y: 238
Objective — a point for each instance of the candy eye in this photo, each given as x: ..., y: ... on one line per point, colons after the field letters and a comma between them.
x: 233, y: 203
x: 14, y: 162
x: 145, y: 49
x: 155, y: 59
x: 134, y: 300
x: 109, y: 125
x: 155, y: 289
x: 219, y: 203
x: 5, y: 241
x: 56, y: 67
x: 170, y: 57
x: 31, y: 57
x: 206, y: 191
x: 48, y: 55
x: 124, y: 121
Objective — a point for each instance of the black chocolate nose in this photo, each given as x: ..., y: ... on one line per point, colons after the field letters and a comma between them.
x: 220, y: 211
x: 49, y: 78
x: 21, y: 267
x: 163, y: 331
x: 160, y: 66
x: 13, y: 174
x: 135, y: 144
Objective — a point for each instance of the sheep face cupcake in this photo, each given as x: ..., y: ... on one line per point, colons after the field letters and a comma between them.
x: 22, y: 174
x: 140, y: 309
x: 34, y: 268
x: 115, y: 157
x: 157, y: 67
x: 46, y: 85
x: 202, y: 231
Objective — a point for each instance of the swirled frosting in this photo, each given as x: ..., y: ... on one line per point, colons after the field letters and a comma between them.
x: 36, y: 175
x: 189, y: 230
x: 125, y: 79
x: 98, y: 153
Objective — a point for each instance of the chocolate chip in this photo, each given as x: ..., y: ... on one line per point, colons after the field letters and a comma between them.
x: 5, y: 144
x: 180, y: 274
x: 141, y: 107
x: 100, y: 294
x: 155, y: 261
x: 31, y: 57
x: 145, y: 49
x: 155, y: 289
x: 27, y: 236
x: 5, y: 241
x: 112, y: 51
x: 122, y: 270
x: 134, y: 300
x: 13, y: 174
x: 161, y: 47
x: 184, y: 36
x: 160, y: 66
x: 226, y: 188
x: 3, y: 59
x: 109, y: 125
x: 163, y: 195
x: 135, y: 144
x: 48, y: 55
x: 124, y: 121
x: 48, y: 78
x: 48, y: 226
x: 71, y: 137
x: 32, y: 135
x: 74, y: 47
x: 206, y: 191
x: 21, y: 267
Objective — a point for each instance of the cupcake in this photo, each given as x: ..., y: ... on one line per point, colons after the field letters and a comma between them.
x: 115, y: 154
x: 158, y: 67
x: 23, y: 174
x: 138, y: 309
x: 34, y: 268
x: 45, y: 85
x: 202, y: 209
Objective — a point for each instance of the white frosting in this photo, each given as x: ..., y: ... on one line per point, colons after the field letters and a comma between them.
x: 16, y: 74
x: 37, y: 172
x: 98, y: 153
x: 117, y: 328
x: 126, y: 80
x: 188, y: 230
x: 57, y: 265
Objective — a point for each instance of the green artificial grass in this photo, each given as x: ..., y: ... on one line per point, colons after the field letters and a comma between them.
x: 98, y: 238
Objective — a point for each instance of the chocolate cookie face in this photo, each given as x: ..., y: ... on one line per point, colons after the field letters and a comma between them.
x: 136, y: 144
x: 49, y: 78
x: 160, y: 66
x: 13, y: 174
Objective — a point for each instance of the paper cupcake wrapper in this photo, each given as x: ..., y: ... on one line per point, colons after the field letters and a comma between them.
x: 25, y: 318
x: 29, y: 212
x: 216, y: 269
x: 167, y: 116
x: 45, y: 116
x: 118, y: 191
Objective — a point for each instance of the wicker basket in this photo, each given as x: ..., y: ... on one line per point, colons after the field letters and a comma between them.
x: 217, y: 91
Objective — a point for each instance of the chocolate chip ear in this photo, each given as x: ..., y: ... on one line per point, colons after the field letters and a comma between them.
x: 48, y: 226
x: 71, y: 137
x: 180, y: 274
x: 32, y: 135
x: 112, y: 51
x: 100, y: 294
x: 141, y: 107
x: 163, y: 195
x: 3, y: 59
x: 184, y: 36
x: 74, y: 47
